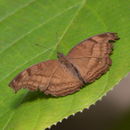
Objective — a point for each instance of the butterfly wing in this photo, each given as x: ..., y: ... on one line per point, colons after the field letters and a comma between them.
x: 51, y: 77
x: 92, y: 56
x: 63, y: 82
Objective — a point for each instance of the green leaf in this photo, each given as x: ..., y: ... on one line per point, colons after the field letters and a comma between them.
x: 32, y: 31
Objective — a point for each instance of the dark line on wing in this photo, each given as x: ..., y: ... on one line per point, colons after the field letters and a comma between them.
x: 63, y: 60
x: 78, y: 74
x: 91, y: 39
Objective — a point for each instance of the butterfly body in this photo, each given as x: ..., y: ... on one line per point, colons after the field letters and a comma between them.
x: 64, y: 60
x: 85, y: 63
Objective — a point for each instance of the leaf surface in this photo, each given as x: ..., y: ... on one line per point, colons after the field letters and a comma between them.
x: 32, y: 31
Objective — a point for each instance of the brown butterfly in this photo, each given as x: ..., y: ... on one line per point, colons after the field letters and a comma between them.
x: 85, y: 63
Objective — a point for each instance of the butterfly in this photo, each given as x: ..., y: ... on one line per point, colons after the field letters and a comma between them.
x: 83, y: 64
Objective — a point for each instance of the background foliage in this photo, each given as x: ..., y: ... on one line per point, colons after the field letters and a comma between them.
x: 32, y: 31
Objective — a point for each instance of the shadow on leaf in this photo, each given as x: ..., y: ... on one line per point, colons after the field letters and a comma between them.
x: 29, y: 96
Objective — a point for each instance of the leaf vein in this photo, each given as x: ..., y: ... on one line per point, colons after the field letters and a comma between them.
x: 12, y: 13
x: 26, y: 62
x: 67, y: 28
x: 40, y: 25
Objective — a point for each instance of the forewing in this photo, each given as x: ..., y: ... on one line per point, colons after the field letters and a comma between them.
x: 92, y: 56
x: 35, y: 76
